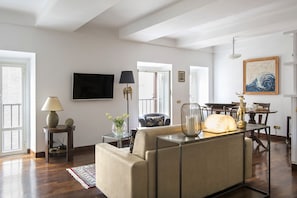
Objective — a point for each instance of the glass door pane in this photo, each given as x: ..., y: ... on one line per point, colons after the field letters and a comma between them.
x: 163, y: 92
x: 147, y: 96
x: 154, y: 92
x: 12, y: 109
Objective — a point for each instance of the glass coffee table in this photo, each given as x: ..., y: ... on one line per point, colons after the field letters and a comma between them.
x: 118, y: 139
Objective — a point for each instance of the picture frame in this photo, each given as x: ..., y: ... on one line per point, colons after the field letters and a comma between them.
x: 181, y: 76
x: 261, y: 76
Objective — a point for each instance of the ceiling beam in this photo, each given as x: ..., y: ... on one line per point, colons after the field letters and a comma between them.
x: 69, y: 15
x: 185, y: 15
x: 160, y: 23
x: 246, y: 26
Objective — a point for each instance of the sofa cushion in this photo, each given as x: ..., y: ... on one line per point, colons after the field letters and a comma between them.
x: 146, y: 138
x: 152, y: 121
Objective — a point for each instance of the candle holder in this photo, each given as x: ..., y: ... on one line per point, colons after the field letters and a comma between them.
x: 191, y: 119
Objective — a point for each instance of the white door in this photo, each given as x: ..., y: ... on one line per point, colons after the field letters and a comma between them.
x: 12, y: 108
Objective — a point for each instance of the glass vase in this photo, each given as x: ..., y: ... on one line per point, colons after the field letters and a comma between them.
x: 191, y: 119
x: 119, y: 130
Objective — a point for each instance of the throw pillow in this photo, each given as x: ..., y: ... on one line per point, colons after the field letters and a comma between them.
x: 152, y: 121
x: 133, y: 133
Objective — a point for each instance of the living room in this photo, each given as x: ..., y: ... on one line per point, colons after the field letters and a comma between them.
x: 58, y: 54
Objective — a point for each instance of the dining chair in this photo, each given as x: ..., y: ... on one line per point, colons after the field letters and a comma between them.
x: 233, y: 109
x: 262, y: 112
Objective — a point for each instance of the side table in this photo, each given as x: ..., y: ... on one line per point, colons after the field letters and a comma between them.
x: 49, y: 140
x: 119, y: 139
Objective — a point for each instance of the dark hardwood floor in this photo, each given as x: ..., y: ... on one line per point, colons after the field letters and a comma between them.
x: 24, y: 176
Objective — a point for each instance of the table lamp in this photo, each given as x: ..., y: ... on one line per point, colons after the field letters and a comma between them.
x: 52, y: 104
x: 127, y: 78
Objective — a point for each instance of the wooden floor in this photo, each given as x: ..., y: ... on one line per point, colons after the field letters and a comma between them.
x: 24, y: 176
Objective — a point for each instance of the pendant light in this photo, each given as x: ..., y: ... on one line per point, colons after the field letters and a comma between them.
x: 233, y: 55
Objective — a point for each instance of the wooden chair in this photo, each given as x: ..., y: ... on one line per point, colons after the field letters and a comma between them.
x: 233, y: 110
x: 262, y: 112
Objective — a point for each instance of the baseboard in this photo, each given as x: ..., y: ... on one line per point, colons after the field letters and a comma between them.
x: 90, y: 148
x: 294, y: 167
x: 36, y: 155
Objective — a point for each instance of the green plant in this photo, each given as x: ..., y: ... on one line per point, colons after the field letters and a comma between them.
x: 118, y: 120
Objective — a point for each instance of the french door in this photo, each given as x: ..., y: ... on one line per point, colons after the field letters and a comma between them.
x: 12, y: 86
x: 154, y: 92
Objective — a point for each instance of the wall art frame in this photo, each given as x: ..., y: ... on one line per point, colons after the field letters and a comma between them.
x: 261, y: 76
x: 181, y: 76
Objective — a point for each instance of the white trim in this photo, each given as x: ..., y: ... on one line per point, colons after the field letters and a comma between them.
x: 27, y: 59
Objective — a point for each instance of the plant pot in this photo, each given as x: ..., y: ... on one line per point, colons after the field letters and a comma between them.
x: 119, y: 130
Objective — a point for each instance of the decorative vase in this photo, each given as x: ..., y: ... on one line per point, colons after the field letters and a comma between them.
x: 119, y: 130
x: 191, y: 119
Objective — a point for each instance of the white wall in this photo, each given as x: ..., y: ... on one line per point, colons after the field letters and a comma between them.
x: 228, y: 75
x: 59, y: 54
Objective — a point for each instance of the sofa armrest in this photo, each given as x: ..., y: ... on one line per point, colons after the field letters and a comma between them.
x: 120, y: 173
x: 167, y: 120
x: 142, y: 121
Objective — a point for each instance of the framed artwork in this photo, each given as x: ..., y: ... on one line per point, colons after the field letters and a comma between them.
x: 260, y: 76
x: 181, y: 76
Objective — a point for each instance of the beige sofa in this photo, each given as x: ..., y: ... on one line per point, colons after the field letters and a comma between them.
x: 209, y: 166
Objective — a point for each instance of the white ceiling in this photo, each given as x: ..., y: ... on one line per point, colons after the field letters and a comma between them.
x: 192, y: 24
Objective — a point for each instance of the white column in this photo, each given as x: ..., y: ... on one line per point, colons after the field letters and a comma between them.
x: 294, y: 104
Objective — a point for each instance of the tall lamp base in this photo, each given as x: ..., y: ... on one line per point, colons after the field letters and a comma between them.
x: 52, y: 119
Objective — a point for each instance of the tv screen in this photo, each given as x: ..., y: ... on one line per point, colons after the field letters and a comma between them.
x: 92, y: 86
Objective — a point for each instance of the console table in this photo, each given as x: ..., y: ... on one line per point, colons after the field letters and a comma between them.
x: 49, y: 140
x: 180, y: 139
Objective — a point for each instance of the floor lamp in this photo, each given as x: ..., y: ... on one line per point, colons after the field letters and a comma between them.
x: 127, y: 78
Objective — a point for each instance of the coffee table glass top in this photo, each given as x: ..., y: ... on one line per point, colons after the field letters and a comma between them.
x: 113, y: 136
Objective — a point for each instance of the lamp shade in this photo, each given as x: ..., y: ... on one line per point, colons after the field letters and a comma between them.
x: 127, y: 77
x: 52, y: 103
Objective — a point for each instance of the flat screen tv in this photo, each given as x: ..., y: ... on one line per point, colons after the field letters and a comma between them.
x: 92, y: 86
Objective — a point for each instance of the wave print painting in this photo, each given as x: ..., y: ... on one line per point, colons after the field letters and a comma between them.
x: 265, y: 82
x: 260, y: 76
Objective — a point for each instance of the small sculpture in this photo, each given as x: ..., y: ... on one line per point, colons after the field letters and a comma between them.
x: 241, y: 123
x: 69, y: 122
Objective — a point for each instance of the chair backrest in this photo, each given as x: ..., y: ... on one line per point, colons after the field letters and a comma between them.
x: 233, y: 110
x: 154, y: 119
x: 265, y: 108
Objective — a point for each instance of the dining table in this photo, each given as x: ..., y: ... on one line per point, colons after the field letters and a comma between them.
x: 227, y: 107
x: 252, y: 113
x: 230, y: 108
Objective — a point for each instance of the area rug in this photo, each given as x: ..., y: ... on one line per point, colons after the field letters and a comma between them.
x: 85, y: 175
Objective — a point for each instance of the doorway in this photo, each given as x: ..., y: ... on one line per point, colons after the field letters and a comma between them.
x: 199, y: 85
x: 12, y: 107
x: 154, y: 88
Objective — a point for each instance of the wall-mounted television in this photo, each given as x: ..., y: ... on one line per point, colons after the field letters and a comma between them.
x: 92, y: 86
